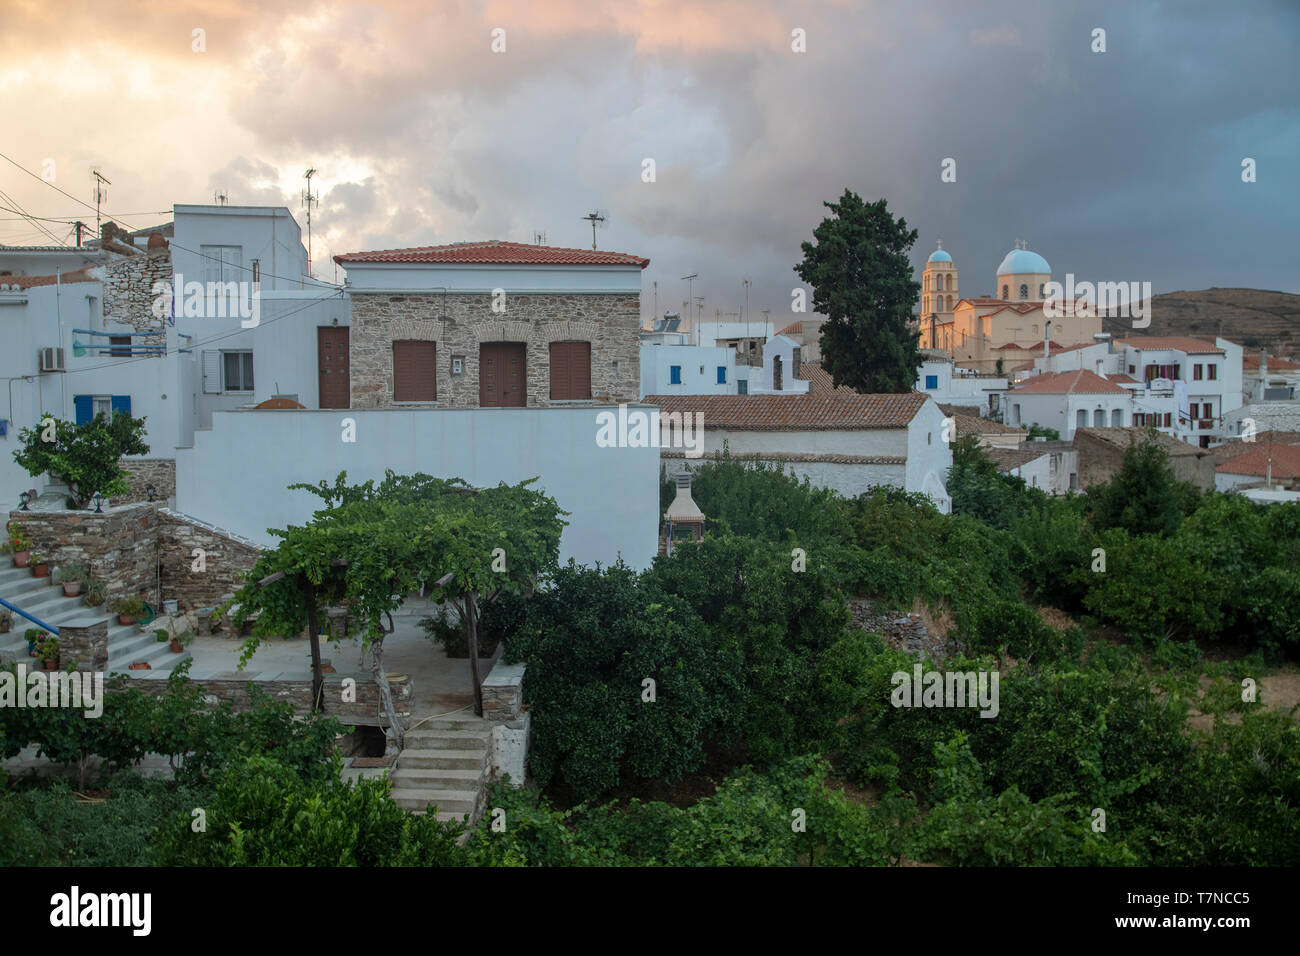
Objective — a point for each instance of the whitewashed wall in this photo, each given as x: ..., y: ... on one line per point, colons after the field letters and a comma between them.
x: 236, y: 475
x: 699, y: 370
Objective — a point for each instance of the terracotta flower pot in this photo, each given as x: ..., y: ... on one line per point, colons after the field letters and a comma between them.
x: 41, y: 570
x: 126, y: 619
x: 71, y: 588
x: 140, y: 666
x: 22, y: 559
x: 51, y: 665
x: 176, y: 646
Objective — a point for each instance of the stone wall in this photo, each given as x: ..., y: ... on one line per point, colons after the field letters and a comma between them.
x: 503, y: 708
x: 226, y: 560
x: 367, y: 710
x: 129, y: 296
x: 159, y: 472
x: 85, y: 642
x: 459, y: 323
x: 120, y: 546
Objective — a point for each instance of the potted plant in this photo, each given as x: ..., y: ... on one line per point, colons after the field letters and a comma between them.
x: 162, y: 635
x: 6, y: 621
x: 40, y: 566
x: 95, y: 594
x: 181, y: 641
x: 72, y: 578
x: 34, y: 637
x: 127, y: 609
x: 19, y: 545
x: 49, y: 652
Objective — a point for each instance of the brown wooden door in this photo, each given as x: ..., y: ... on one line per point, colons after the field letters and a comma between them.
x: 332, y: 362
x: 502, y: 375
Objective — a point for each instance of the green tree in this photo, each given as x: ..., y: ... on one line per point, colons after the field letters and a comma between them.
x: 1143, y: 497
x: 83, y: 457
x: 862, y: 282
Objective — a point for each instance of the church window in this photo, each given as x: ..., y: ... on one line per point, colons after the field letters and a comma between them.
x: 1024, y: 291
x: 1006, y: 291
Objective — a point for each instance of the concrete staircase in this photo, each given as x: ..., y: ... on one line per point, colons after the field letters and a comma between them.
x: 43, y: 599
x: 444, y: 763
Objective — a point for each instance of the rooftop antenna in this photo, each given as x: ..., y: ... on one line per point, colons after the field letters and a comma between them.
x: 100, y: 193
x: 307, y: 200
x: 539, y: 238
x: 600, y: 216
x: 221, y: 198
x: 690, y: 294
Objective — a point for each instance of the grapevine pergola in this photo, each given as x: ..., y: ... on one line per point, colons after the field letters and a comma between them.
x: 371, y: 546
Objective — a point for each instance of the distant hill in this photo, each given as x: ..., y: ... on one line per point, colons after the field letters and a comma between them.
x: 1256, y: 318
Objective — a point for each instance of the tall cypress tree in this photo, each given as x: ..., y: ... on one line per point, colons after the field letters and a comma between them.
x: 862, y: 282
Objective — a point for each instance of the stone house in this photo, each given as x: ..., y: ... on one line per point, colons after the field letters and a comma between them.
x: 492, y: 324
x: 1101, y: 454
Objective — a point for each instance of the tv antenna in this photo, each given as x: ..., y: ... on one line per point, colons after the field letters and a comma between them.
x: 221, y: 198
x: 307, y: 200
x: 599, y: 217
x: 539, y: 238
x: 101, y: 194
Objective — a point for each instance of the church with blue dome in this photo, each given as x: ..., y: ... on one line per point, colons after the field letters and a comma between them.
x: 997, y: 332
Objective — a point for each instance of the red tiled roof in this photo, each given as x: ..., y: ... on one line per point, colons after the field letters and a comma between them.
x: 796, y: 412
x: 496, y: 252
x: 1250, y: 361
x: 794, y: 328
x: 820, y: 381
x: 28, y: 282
x: 1286, y: 461
x: 975, y: 425
x: 1008, y: 458
x: 1177, y: 343
x: 1081, y: 382
x: 1053, y: 348
x: 804, y: 456
x: 1124, y: 380
x: 1235, y: 446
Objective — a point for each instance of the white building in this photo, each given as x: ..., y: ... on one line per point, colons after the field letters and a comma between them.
x: 1069, y: 400
x: 1268, y: 378
x: 1205, y: 380
x: 850, y: 443
x: 948, y: 385
x: 688, y: 370
x: 106, y: 328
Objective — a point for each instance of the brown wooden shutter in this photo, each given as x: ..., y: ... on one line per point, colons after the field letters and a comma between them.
x: 570, y: 371
x: 415, y: 370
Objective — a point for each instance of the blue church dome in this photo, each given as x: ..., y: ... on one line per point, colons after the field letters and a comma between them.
x: 1024, y: 262
x: 939, y: 256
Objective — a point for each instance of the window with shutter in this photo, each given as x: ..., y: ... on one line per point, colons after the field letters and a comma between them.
x: 570, y: 371
x: 415, y: 372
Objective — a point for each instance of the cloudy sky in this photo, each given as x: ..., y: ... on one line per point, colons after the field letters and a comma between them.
x: 1123, y: 165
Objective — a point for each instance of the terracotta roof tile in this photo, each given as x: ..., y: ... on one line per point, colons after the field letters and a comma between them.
x: 1008, y: 458
x: 1177, y: 343
x: 1250, y: 361
x: 796, y: 412
x: 496, y: 252
x: 1234, y: 447
x: 820, y: 381
x: 1122, y: 436
x: 1286, y: 461
x: 794, y: 328
x: 28, y: 282
x: 1080, y: 382
x: 974, y: 425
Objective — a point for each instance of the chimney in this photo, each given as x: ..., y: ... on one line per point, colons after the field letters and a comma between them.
x: 1047, y: 339
x: 1263, y: 372
x: 683, y: 518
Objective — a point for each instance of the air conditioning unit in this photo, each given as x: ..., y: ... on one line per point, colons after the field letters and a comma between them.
x: 52, y: 360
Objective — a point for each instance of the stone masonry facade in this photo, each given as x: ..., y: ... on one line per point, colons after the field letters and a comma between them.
x: 141, y: 472
x: 144, y: 548
x: 459, y: 323
x: 129, y: 297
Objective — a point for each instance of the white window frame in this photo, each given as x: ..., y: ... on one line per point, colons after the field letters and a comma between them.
x: 222, y: 263
x: 225, y: 384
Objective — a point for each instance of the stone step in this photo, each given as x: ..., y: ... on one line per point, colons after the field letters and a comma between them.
x: 444, y: 778
x: 452, y: 723
x: 455, y: 802
x: 448, y: 739
x: 459, y: 759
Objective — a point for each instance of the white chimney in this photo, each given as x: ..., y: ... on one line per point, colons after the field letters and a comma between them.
x: 1047, y: 339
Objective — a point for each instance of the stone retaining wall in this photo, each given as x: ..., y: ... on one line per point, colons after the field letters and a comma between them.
x: 366, y: 710
x: 226, y: 559
x: 503, y: 707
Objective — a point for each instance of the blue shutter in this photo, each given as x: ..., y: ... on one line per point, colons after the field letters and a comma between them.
x: 121, y: 403
x: 722, y: 375
x: 84, y: 405
x: 674, y: 375
x: 932, y: 381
